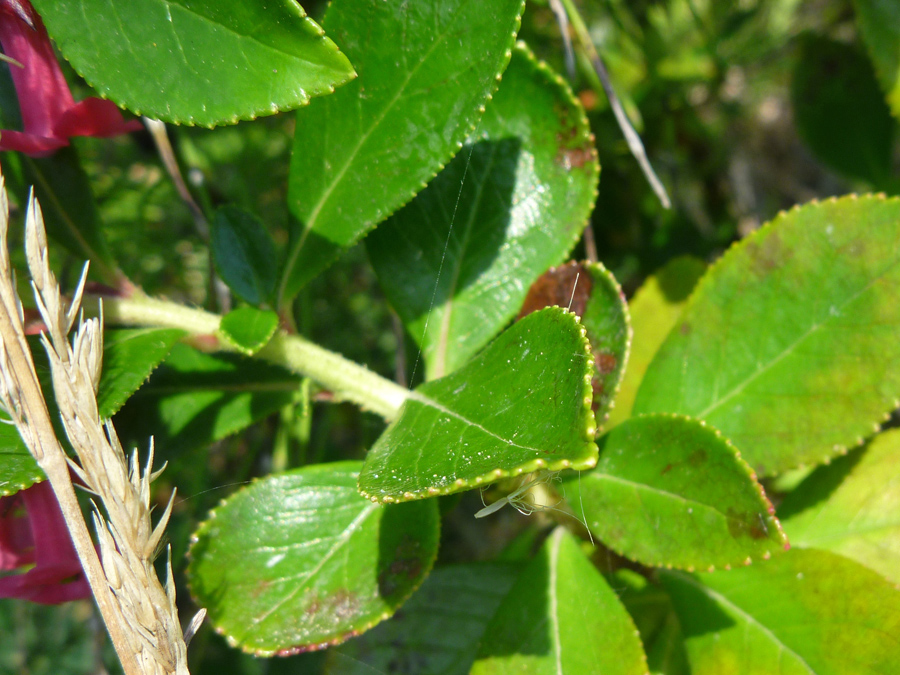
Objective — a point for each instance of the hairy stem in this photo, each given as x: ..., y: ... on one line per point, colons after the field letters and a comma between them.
x: 346, y: 379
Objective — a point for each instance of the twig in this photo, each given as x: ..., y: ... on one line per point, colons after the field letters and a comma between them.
x: 631, y: 136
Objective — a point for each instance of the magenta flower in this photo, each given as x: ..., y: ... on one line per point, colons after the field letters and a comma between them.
x: 33, y: 532
x: 49, y: 113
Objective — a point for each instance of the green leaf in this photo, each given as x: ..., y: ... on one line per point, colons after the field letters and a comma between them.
x: 18, y: 470
x: 460, y: 257
x: 129, y: 356
x: 437, y: 630
x: 801, y: 612
x: 879, y: 25
x: 672, y: 491
x: 654, y: 309
x: 244, y: 254
x: 522, y: 404
x: 840, y: 111
x: 651, y: 610
x: 194, y: 398
x: 248, y: 328
x: 560, y: 617
x: 852, y: 507
x: 299, y: 561
x: 203, y: 62
x: 789, y: 343
x: 361, y: 154
x: 67, y: 204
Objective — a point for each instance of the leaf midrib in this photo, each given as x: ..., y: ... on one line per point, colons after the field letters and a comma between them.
x: 317, y: 209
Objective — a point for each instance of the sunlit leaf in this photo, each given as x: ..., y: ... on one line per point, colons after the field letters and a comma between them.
x: 299, y: 561
x: 789, y: 343
x: 522, y: 404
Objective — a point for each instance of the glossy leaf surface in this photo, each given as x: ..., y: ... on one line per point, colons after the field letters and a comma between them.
x: 244, y: 254
x: 299, y: 561
x: 437, y: 631
x: 672, y: 491
x: 654, y: 310
x: 560, y: 617
x: 361, y: 154
x: 460, y: 257
x: 788, y: 345
x: 248, y: 328
x: 203, y: 62
x: 522, y: 404
x: 804, y: 612
x: 852, y: 507
x: 197, y: 398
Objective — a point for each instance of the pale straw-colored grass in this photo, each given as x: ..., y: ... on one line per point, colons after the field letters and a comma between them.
x: 139, y: 612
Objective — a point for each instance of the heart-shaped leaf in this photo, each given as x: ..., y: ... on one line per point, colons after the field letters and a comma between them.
x: 671, y: 491
x: 460, y: 257
x: 805, y: 611
x: 248, y: 328
x: 560, y: 617
x: 654, y: 309
x: 201, y: 62
x: 789, y: 343
x: 299, y: 561
x: 361, y: 154
x: 244, y: 254
x: 852, y: 507
x: 522, y: 404
x: 437, y: 630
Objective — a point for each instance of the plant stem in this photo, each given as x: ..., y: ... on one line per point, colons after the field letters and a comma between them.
x: 346, y: 379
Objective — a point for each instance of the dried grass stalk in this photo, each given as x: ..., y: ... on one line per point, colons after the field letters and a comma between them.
x: 139, y: 612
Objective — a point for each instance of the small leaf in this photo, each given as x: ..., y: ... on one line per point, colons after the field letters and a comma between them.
x: 18, y: 470
x: 592, y: 292
x: 671, y: 491
x: 299, y: 561
x: 201, y: 62
x: 129, y: 356
x: 560, y: 617
x: 437, y: 630
x: 460, y: 257
x: 852, y: 507
x: 249, y: 329
x: 196, y: 398
x: 361, y: 154
x: 879, y: 25
x: 840, y: 111
x: 804, y: 611
x: 522, y: 404
x: 789, y: 343
x: 244, y: 254
x: 654, y: 309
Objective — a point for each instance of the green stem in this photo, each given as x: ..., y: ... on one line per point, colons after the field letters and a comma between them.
x: 346, y: 379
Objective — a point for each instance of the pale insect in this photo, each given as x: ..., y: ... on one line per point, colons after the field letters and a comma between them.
x: 521, y: 498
